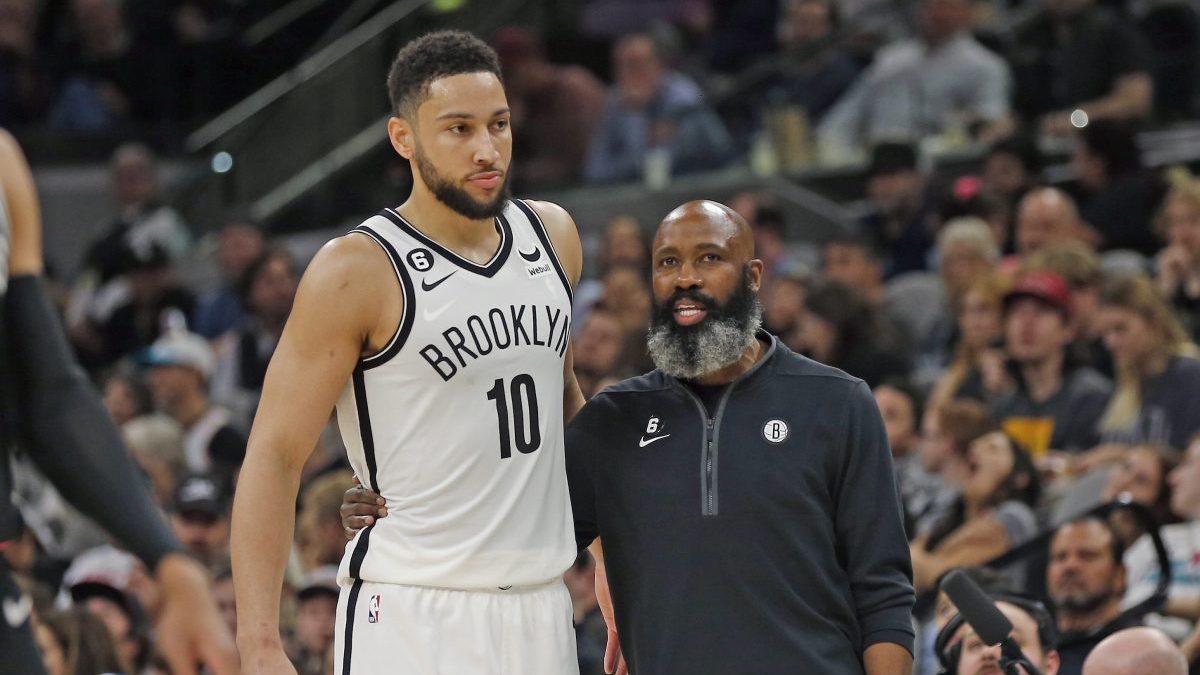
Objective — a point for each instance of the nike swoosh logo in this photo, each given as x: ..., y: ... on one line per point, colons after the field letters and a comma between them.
x: 426, y: 286
x: 647, y: 441
x: 16, y: 612
x: 531, y: 257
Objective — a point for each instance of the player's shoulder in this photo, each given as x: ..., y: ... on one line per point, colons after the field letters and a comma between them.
x: 348, y: 263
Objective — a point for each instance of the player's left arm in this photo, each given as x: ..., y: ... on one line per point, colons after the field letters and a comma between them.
x: 564, y: 235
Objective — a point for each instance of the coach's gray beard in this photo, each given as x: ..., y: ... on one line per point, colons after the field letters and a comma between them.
x: 713, y: 345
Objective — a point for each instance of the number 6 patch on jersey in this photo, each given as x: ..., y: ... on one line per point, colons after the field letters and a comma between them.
x: 373, y: 610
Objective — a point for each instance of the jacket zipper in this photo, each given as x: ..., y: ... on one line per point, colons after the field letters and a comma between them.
x: 710, y: 504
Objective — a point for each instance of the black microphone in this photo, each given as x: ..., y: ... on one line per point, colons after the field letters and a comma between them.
x: 988, y: 622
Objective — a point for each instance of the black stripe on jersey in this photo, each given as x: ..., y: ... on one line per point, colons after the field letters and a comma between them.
x: 364, y: 432
x: 539, y: 228
x: 407, y: 313
x: 356, y: 561
x: 351, y: 601
x: 489, y: 270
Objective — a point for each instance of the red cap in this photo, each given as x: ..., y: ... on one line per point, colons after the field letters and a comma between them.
x: 1042, y: 285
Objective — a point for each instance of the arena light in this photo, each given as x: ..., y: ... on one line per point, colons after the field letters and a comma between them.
x: 222, y: 162
x: 1079, y: 119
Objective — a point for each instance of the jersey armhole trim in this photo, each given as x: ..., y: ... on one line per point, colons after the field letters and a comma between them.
x: 407, y: 313
x: 539, y: 228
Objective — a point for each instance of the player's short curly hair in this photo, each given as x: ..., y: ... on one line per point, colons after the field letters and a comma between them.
x: 432, y: 57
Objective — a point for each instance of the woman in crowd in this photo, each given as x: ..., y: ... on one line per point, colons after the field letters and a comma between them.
x: 76, y: 642
x: 993, y: 514
x: 1142, y: 478
x: 1178, y: 265
x: 980, y: 315
x: 1158, y: 378
x: 840, y: 328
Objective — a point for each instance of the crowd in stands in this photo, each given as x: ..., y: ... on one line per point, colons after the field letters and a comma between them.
x: 1031, y: 345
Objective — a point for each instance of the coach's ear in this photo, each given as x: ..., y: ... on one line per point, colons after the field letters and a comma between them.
x: 400, y: 133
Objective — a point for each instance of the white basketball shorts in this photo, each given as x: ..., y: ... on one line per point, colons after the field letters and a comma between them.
x: 415, y: 630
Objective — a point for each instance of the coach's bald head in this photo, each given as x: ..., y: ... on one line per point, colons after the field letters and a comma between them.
x: 706, y: 283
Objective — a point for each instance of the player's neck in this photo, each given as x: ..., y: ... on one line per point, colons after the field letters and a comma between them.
x: 445, y: 225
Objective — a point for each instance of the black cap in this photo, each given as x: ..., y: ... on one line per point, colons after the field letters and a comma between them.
x: 200, y: 493
x: 892, y: 157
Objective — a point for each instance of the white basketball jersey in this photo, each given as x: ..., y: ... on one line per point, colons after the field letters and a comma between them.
x: 458, y: 422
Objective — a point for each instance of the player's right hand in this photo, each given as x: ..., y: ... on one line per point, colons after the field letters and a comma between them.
x: 266, y: 661
x: 360, y: 508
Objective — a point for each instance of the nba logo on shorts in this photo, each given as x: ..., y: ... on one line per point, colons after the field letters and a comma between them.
x: 373, y: 610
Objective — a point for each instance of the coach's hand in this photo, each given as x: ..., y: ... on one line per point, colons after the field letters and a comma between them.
x: 614, y: 660
x: 360, y: 508
x: 190, y: 629
x: 267, y: 662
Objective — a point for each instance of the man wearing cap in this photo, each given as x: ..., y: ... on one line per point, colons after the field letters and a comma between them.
x: 963, y: 652
x: 1056, y: 402
x: 316, y: 618
x: 896, y: 188
x: 180, y: 365
x: 200, y: 518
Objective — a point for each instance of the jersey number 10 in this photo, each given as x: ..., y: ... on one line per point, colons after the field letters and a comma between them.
x: 528, y: 433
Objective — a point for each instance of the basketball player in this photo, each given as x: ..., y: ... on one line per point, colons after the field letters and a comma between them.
x: 47, y: 401
x: 440, y: 331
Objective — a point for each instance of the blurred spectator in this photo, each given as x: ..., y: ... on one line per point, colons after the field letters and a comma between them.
x: 1033, y: 632
x: 130, y: 312
x: 156, y: 444
x: 966, y: 251
x: 1142, y: 477
x: 226, y: 601
x: 266, y: 290
x: 319, y: 535
x: 900, y: 408
x: 855, y: 262
x: 1057, y: 402
x: 1086, y: 580
x: 900, y: 208
x: 783, y: 306
x: 1121, y: 196
x: 109, y: 77
x: 1012, y: 167
x: 627, y: 296
x: 1047, y: 216
x: 623, y: 245
x: 977, y: 356
x: 143, y: 217
x: 591, y: 634
x: 946, y: 435
x: 1074, y: 55
x: 1136, y: 651
x: 737, y: 28
x: 220, y: 309
x: 1079, y: 265
x: 652, y: 108
x: 316, y: 615
x: 1183, y: 551
x: 180, y: 365
x: 1158, y: 380
x: 555, y: 109
x: 126, y: 397
x: 1178, y: 265
x: 200, y: 518
x: 75, y: 642
x: 23, y: 86
x: 943, y: 82
x: 840, y: 329
x: 598, y: 346
x: 771, y: 244
x: 811, y: 70
x: 122, y: 615
x: 993, y: 514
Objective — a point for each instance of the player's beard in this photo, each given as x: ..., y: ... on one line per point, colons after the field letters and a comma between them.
x: 456, y: 198
x: 688, y: 352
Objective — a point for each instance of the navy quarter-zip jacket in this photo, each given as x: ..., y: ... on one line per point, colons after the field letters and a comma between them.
x: 765, y: 538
